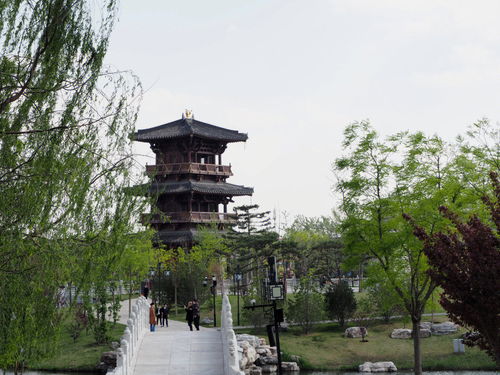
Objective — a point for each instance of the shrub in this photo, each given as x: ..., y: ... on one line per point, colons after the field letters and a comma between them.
x: 340, y: 302
x: 306, y: 307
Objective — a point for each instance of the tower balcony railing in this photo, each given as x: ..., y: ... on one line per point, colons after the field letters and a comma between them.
x: 188, y: 217
x: 195, y: 168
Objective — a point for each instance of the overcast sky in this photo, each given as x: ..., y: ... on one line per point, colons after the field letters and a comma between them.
x: 293, y: 74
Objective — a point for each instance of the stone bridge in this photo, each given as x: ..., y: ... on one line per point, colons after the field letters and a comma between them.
x: 176, y: 350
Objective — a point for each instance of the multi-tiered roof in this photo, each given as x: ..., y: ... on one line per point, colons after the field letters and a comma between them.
x: 189, y: 179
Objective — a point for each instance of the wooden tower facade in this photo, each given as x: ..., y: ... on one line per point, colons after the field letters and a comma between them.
x: 189, y: 179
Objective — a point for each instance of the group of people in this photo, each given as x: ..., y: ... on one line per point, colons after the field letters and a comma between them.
x: 160, y: 316
x: 193, y: 314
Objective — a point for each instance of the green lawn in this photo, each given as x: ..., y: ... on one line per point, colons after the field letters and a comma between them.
x: 326, y: 349
x: 82, y: 355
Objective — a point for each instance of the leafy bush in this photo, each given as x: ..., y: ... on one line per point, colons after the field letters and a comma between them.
x: 384, y: 301
x: 306, y: 307
x: 340, y: 302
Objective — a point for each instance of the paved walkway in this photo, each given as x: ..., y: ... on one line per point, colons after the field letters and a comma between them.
x: 175, y: 350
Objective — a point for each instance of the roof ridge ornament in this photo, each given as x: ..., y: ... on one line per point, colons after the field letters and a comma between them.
x: 188, y: 115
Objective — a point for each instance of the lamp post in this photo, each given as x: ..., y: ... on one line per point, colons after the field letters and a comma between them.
x: 214, y: 292
x: 152, y: 275
x: 159, y: 284
x: 238, y: 278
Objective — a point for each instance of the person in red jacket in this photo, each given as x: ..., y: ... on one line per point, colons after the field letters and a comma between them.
x: 152, y: 317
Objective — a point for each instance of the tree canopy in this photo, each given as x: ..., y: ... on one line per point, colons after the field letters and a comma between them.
x: 65, y: 157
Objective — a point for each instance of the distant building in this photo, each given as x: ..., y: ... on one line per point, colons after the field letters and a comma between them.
x: 189, y: 179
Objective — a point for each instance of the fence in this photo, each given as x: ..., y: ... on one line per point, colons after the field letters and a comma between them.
x: 229, y: 343
x: 137, y: 325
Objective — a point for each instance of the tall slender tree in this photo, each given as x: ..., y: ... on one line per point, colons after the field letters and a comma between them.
x: 65, y: 153
x: 465, y: 262
x: 378, y: 181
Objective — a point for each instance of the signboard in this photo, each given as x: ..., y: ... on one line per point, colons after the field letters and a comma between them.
x: 276, y: 292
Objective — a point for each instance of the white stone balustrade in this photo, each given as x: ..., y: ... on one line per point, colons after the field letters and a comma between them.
x: 229, y: 343
x: 137, y: 326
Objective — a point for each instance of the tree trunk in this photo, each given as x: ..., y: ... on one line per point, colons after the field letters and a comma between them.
x: 130, y: 295
x: 417, y: 353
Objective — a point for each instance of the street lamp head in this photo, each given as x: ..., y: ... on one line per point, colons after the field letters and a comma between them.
x: 205, y: 281
x: 252, y: 301
x: 214, y: 278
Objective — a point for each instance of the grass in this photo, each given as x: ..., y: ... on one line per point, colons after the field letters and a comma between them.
x: 326, y: 349
x: 82, y: 355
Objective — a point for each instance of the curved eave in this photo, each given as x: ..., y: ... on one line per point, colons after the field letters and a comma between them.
x: 179, y: 187
x: 189, y: 127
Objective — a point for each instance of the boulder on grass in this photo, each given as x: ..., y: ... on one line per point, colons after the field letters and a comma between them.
x: 377, y: 367
x: 446, y: 328
x: 355, y: 332
x: 424, y: 333
x: 401, y: 333
x: 426, y: 325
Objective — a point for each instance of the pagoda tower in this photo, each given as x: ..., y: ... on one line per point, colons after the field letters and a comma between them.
x: 189, y: 179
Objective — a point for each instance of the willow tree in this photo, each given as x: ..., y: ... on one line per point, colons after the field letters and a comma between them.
x: 64, y: 152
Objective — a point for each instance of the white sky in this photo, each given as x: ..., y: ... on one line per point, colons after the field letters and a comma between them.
x: 293, y: 74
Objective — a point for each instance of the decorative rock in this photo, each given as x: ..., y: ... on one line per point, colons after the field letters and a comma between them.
x: 400, y: 333
x: 269, y: 369
x: 355, y: 332
x: 207, y: 321
x: 295, y: 358
x: 114, y: 345
x: 377, y: 367
x: 264, y: 361
x: 405, y: 333
x: 290, y: 366
x: 249, y: 353
x: 255, y: 370
x: 252, y: 340
x: 445, y: 328
x: 108, y: 361
x: 426, y: 325
x: 263, y: 351
x: 424, y: 333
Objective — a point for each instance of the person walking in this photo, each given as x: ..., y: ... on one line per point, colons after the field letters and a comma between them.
x: 152, y: 317
x: 163, y: 316
x: 158, y: 314
x: 189, y: 314
x: 196, y: 314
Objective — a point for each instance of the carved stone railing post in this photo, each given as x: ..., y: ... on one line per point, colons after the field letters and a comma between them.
x: 132, y: 339
x: 229, y: 343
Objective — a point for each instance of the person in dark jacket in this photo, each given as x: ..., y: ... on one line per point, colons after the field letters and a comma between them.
x: 164, y: 310
x: 189, y: 314
x: 196, y: 314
